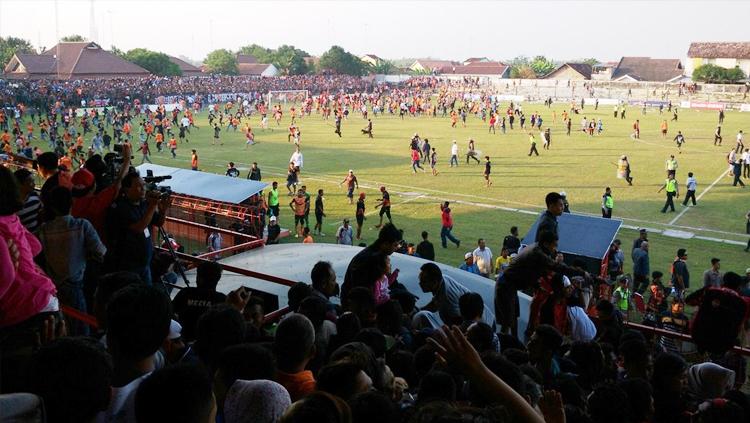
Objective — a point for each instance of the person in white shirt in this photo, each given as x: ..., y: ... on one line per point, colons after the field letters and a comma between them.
x: 483, y: 258
x: 185, y: 122
x: 297, y: 158
x: 691, y: 184
x: 746, y: 163
x: 740, y: 141
x: 454, y: 154
x: 581, y: 327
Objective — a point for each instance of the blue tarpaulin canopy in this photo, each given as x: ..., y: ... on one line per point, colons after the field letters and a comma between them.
x: 205, y: 185
x: 581, y: 235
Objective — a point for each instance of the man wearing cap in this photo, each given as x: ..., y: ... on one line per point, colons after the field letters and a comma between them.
x: 680, y: 274
x: 274, y: 231
x: 92, y: 205
x: 641, y: 267
x: 673, y: 191
x: 712, y: 277
x: 621, y: 297
x: 351, y: 184
x: 469, y: 265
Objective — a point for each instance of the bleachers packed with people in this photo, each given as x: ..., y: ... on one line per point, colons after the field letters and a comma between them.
x: 89, y: 331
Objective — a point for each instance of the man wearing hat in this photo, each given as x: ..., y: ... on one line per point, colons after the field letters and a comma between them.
x: 621, y: 297
x: 469, y: 265
x: 274, y: 231
x: 92, y: 205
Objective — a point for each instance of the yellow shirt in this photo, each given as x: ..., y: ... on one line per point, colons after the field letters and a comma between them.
x: 502, y: 262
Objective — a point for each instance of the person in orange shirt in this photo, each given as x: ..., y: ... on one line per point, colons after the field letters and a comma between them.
x: 127, y: 128
x: 5, y: 137
x: 664, y: 128
x: 79, y: 143
x: 307, y: 238
x: 66, y: 162
x: 29, y: 130
x: 194, y: 160
x: 454, y: 119
x: 67, y: 137
x: 173, y: 147
x: 159, y: 141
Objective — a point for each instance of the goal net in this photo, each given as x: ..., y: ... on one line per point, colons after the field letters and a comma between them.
x: 287, y: 96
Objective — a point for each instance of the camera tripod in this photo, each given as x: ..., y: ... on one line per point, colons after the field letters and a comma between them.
x: 177, y: 263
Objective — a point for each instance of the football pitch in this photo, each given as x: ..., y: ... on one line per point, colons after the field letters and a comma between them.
x: 578, y: 164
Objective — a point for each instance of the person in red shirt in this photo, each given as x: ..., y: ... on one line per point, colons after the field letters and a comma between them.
x: 447, y: 221
x: 91, y: 205
x: 173, y: 147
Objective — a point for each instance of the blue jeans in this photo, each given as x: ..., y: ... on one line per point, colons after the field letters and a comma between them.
x: 446, y: 233
x: 454, y: 160
x: 70, y: 293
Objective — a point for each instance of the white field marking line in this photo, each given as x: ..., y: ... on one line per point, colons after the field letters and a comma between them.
x: 378, y: 184
x: 510, y: 209
x: 375, y: 211
x: 679, y: 215
x: 670, y: 146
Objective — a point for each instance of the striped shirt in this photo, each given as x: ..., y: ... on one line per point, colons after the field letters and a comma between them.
x: 29, y: 214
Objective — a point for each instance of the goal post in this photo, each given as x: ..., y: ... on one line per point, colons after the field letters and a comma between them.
x: 287, y: 96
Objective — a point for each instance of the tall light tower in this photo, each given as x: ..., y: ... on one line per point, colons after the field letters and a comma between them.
x: 93, y: 36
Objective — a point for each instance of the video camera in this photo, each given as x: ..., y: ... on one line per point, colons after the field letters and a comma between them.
x: 153, y: 181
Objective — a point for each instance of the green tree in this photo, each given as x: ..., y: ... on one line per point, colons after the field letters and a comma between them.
x: 153, y: 61
x: 117, y: 52
x: 522, y: 72
x: 384, y: 67
x: 221, y: 61
x: 591, y: 61
x: 264, y: 55
x: 10, y: 46
x: 290, y: 60
x: 717, y: 75
x: 338, y: 60
x: 72, y: 38
x: 542, y: 66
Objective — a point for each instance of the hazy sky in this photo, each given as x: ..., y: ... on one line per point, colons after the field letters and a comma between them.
x: 454, y: 29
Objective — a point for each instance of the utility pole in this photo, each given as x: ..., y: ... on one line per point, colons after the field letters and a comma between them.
x: 92, y: 22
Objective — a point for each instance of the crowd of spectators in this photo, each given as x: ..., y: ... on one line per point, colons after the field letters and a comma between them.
x: 40, y: 93
x: 82, y: 249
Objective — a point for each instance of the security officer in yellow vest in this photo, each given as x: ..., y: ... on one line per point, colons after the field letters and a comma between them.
x: 670, y: 185
x: 607, y: 203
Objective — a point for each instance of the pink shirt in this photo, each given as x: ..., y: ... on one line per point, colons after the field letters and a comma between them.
x: 381, y: 291
x: 24, y: 291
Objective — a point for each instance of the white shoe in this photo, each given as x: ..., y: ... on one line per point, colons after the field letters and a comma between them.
x: 322, y: 234
x: 296, y: 235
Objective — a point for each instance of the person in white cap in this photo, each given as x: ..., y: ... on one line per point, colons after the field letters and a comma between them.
x: 468, y: 264
x: 274, y: 231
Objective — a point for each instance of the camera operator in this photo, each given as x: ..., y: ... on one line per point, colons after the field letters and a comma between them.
x: 92, y: 205
x: 129, y: 221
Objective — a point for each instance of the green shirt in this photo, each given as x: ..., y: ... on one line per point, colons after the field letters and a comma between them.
x: 671, y: 185
x: 273, y: 198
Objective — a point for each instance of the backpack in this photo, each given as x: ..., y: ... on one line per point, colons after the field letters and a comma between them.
x: 718, y: 321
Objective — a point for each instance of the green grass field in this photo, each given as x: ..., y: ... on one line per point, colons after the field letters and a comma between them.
x: 578, y: 164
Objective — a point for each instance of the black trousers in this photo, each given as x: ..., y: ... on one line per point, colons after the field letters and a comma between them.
x: 669, y: 203
x: 689, y: 196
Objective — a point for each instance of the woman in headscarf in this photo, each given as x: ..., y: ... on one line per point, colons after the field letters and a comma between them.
x: 708, y: 381
x: 255, y: 401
